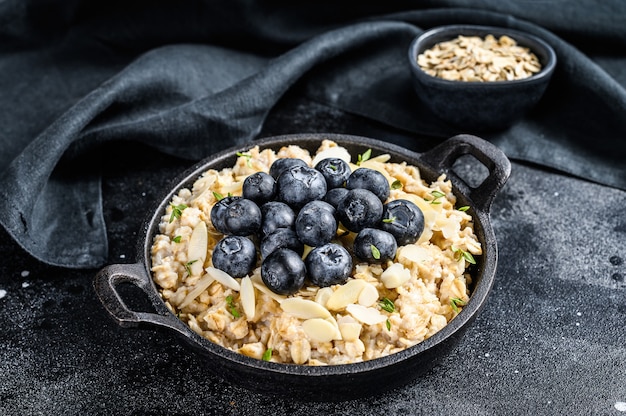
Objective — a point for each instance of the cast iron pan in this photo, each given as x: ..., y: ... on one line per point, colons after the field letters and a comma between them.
x: 335, y: 382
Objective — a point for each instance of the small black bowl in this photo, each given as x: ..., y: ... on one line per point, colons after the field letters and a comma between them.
x: 480, y: 106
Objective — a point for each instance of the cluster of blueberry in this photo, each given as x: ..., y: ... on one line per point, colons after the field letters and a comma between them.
x: 297, y: 205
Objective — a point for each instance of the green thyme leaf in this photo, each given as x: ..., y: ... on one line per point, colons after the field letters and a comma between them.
x: 389, y: 220
x: 248, y: 157
x: 468, y: 257
x: 436, y: 194
x: 267, y: 355
x: 387, y: 305
x: 177, y: 239
x: 388, y: 324
x: 364, y: 156
x: 231, y: 307
x: 464, y: 208
x: 396, y: 184
x: 188, y: 266
x: 333, y: 167
x: 375, y: 251
x: 456, y: 302
x: 218, y: 196
x: 177, y: 211
x: 462, y: 254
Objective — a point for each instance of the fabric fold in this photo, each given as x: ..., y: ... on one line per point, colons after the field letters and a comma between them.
x: 205, y: 84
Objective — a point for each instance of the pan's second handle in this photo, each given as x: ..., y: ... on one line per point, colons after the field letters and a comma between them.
x: 443, y: 156
x: 105, y: 285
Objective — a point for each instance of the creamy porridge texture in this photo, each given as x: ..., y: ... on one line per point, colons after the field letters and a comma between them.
x: 382, y: 307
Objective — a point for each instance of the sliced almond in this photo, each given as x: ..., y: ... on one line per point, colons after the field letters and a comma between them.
x: 413, y: 253
x: 345, y: 294
x: 333, y: 321
x: 323, y: 295
x: 350, y: 331
x: 262, y: 288
x: 201, y: 285
x: 224, y: 278
x: 368, y: 296
x: 304, y: 308
x: 320, y: 330
x: 197, y: 248
x: 368, y: 316
x: 395, y: 276
x: 248, y: 299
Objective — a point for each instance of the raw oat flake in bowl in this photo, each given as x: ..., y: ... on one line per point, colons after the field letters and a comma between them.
x: 480, y: 78
x: 315, y: 258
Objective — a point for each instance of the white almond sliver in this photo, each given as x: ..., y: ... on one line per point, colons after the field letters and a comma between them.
x: 197, y: 248
x: 395, y: 276
x: 368, y: 316
x: 248, y: 301
x: 368, y: 296
x: 201, y: 285
x: 224, y: 278
x: 320, y: 330
x: 336, y: 152
x: 323, y: 295
x: 333, y: 321
x: 304, y: 308
x: 345, y: 295
x: 350, y: 331
x: 262, y: 288
x: 413, y: 253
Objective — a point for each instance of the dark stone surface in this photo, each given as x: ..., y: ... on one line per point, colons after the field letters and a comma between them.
x: 551, y: 340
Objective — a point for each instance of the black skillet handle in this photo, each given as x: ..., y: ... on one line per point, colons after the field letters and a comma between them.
x: 105, y: 285
x: 443, y: 156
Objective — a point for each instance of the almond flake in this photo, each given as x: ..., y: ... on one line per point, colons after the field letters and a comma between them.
x: 320, y: 330
x: 197, y: 248
x: 368, y: 296
x: 201, y: 285
x: 323, y: 295
x: 304, y: 308
x: 345, y: 294
x: 368, y: 316
x: 350, y: 331
x: 224, y: 278
x: 248, y: 301
x: 395, y: 276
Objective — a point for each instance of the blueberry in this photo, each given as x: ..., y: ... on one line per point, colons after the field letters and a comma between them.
x: 316, y: 224
x: 374, y: 245
x: 298, y: 185
x: 328, y: 265
x: 404, y: 220
x: 242, y: 217
x: 369, y: 179
x: 359, y: 209
x: 334, y: 196
x: 276, y: 215
x: 283, y: 272
x: 279, y: 165
x: 281, y: 238
x: 235, y: 255
x: 259, y: 187
x: 335, y: 171
x: 218, y: 213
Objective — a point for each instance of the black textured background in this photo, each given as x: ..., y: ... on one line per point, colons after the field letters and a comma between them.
x: 551, y: 340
